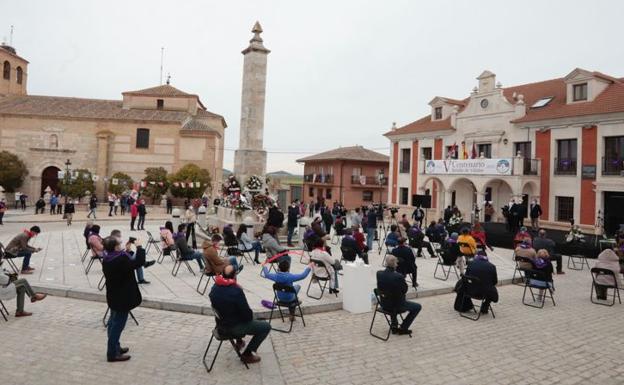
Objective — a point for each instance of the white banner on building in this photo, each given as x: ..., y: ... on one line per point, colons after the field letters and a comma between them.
x: 469, y: 166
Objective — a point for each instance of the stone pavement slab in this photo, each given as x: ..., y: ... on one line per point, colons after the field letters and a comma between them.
x: 575, y: 342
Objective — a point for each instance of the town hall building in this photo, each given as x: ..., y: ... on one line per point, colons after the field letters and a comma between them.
x: 558, y: 141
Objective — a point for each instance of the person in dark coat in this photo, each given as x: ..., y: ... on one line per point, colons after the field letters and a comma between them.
x: 393, y: 285
x: 406, y: 260
x: 371, y: 227
x: 122, y: 291
x: 350, y: 247
x: 276, y: 217
x: 485, y: 271
x: 293, y: 218
x: 142, y: 212
x: 235, y: 315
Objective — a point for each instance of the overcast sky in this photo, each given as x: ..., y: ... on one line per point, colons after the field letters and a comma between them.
x: 340, y: 72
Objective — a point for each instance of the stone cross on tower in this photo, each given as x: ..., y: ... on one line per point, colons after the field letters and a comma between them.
x: 250, y: 158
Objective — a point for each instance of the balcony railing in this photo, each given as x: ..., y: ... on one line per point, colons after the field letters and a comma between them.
x: 361, y: 180
x: 318, y: 178
x: 530, y: 166
x: 565, y: 166
x: 612, y: 166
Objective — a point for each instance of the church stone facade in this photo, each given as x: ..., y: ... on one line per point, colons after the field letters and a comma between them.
x: 154, y: 127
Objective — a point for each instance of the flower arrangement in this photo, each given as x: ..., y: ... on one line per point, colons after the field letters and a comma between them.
x: 254, y: 183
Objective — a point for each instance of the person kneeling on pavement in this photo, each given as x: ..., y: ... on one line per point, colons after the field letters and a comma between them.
x: 11, y: 287
x: 122, y: 291
x: 139, y: 271
x: 393, y: 285
x: 235, y: 315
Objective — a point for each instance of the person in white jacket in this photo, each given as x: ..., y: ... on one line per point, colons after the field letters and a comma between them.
x: 320, y: 254
x: 18, y: 288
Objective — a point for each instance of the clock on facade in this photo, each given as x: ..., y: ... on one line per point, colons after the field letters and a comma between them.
x: 484, y: 103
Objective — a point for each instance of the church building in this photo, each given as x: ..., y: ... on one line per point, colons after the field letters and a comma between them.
x: 558, y: 141
x: 160, y: 126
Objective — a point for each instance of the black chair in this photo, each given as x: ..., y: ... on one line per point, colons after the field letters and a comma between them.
x: 94, y: 257
x: 388, y: 314
x: 84, y: 255
x: 102, y: 283
x: 221, y: 335
x: 4, y: 311
x: 209, y: 276
x: 240, y: 254
x: 296, y: 303
x: 521, y: 270
x: 169, y: 250
x: 9, y: 257
x: 444, y: 263
x: 606, y: 273
x: 318, y: 279
x: 471, y: 287
x: 104, y: 321
x: 152, y: 242
x: 306, y: 250
x: 577, y: 260
x: 178, y: 262
x: 535, y: 279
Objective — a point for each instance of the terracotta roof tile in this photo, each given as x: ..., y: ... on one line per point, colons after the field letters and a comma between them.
x: 424, y: 124
x: 348, y: 153
x: 162, y: 90
x: 62, y: 107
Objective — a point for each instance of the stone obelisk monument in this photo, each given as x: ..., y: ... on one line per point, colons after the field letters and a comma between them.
x: 250, y: 158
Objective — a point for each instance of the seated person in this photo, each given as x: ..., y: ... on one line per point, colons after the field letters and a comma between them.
x: 525, y: 250
x: 392, y: 239
x: 272, y: 247
x: 349, y: 243
x: 11, y: 287
x: 417, y: 241
x: 485, y: 271
x: 95, y: 241
x: 359, y: 238
x: 317, y: 227
x: 393, y: 285
x: 139, y: 270
x: 229, y: 238
x: 542, y: 242
x: 432, y: 233
x: 441, y: 232
x: 480, y: 237
x: 235, y: 315
x: 339, y: 226
x: 542, y: 263
x: 451, y: 254
x: 467, y: 244
x: 608, y: 259
x: 320, y: 254
x: 86, y: 232
x: 285, y: 277
x: 166, y: 237
x: 214, y: 263
x: 187, y: 253
x: 19, y: 247
x: 246, y: 244
x: 521, y: 236
x: 406, y: 260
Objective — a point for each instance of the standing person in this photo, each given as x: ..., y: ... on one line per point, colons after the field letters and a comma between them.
x: 142, y: 212
x: 17, y: 199
x: 535, y: 213
x: 293, y: 217
x: 111, y: 203
x: 53, y: 202
x: 40, y: 206
x: 124, y: 204
x: 122, y: 292
x: 19, y: 246
x: 418, y: 215
x: 59, y: 207
x: 371, y: 227
x: 448, y: 213
x: 22, y: 198
x: 134, y: 212
x: 117, y: 202
x: 69, y: 211
x: 92, y: 206
x: 3, y: 208
x: 276, y: 217
x: 356, y: 218
x: 488, y: 212
x: 191, y: 219
x: 169, y: 205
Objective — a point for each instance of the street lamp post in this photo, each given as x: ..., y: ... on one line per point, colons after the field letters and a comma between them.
x: 380, y: 180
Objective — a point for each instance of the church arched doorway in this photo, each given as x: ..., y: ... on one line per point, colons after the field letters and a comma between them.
x: 49, y: 177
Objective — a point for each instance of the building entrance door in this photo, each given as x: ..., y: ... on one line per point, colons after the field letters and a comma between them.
x: 613, y: 211
x: 49, y: 177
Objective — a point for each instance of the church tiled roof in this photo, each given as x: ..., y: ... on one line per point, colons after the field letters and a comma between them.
x: 162, y: 90
x: 78, y: 108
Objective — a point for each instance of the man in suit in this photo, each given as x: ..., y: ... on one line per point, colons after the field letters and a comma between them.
x: 406, y: 261
x: 393, y: 286
x: 485, y: 271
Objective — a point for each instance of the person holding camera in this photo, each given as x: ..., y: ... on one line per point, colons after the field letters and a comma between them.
x: 131, y: 241
x: 19, y: 246
x: 11, y: 287
x: 122, y: 291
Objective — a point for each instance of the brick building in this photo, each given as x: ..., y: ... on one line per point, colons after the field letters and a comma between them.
x: 354, y: 176
x: 559, y: 141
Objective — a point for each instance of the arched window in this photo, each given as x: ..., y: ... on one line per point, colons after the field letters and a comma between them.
x: 6, y: 71
x: 54, y: 142
x: 20, y: 75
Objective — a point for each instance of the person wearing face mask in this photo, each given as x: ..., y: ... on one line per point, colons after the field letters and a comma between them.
x: 128, y: 248
x: 19, y: 247
x: 293, y: 217
x: 535, y: 213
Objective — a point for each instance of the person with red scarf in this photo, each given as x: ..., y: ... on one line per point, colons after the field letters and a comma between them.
x: 19, y: 247
x: 235, y: 315
x: 479, y: 235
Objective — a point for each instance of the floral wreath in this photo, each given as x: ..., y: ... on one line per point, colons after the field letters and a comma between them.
x: 254, y: 183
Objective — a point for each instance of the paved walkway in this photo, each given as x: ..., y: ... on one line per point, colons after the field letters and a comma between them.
x: 59, y: 271
x: 575, y: 342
